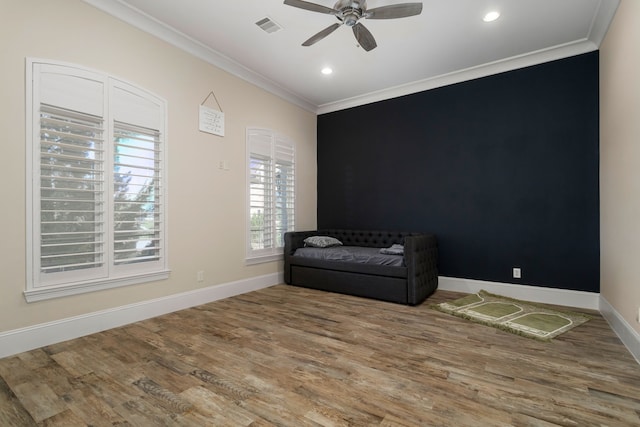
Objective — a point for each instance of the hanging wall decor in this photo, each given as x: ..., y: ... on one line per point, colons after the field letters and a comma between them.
x: 211, y: 120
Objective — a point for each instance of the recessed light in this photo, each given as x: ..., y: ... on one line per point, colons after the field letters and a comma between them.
x: 327, y: 70
x: 491, y: 16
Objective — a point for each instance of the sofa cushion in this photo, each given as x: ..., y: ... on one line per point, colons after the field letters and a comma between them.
x: 351, y: 254
x: 353, y: 267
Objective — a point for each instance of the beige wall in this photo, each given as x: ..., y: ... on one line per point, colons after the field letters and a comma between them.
x: 207, y: 205
x: 620, y: 162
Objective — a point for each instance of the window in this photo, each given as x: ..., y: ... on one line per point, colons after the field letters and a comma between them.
x: 271, y: 193
x: 96, y: 182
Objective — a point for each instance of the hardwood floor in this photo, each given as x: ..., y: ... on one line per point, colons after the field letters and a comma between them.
x: 290, y: 356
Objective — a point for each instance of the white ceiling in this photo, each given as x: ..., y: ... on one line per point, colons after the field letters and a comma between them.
x: 447, y: 43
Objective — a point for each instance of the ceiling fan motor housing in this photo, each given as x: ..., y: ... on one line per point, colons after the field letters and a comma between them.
x: 350, y: 11
x: 350, y: 18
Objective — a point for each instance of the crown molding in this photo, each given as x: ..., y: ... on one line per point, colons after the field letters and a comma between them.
x: 484, y: 70
x: 603, y: 16
x: 148, y: 24
x: 602, y: 19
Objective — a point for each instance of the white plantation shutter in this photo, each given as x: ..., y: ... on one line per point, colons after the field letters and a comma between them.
x: 138, y: 237
x: 66, y: 176
x: 271, y: 191
x: 137, y: 189
x: 260, y: 202
x: 284, y: 188
x: 72, y: 193
x: 96, y: 182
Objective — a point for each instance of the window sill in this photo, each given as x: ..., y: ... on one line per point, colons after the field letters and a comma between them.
x: 263, y: 259
x: 45, y: 293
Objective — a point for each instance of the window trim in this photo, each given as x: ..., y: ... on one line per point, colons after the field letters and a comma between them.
x: 276, y: 253
x: 36, y: 291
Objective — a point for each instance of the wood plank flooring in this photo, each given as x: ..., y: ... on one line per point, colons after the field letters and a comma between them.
x: 288, y: 356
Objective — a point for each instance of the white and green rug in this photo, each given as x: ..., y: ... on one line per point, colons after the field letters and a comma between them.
x: 519, y: 317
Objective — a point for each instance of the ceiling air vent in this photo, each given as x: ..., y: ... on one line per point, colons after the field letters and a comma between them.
x: 268, y: 25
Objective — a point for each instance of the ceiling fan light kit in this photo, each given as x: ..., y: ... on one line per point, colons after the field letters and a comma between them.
x: 349, y: 13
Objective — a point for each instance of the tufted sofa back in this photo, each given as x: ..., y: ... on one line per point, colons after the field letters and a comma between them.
x: 367, y: 238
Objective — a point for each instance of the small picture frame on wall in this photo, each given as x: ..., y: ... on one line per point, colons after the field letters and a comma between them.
x: 211, y: 120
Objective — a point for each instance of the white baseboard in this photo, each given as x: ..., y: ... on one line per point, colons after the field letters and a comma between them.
x: 629, y: 337
x: 580, y: 299
x: 29, y: 338
x: 589, y: 300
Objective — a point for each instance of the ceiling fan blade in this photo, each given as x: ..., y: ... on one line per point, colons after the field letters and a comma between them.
x: 310, y: 6
x: 364, y: 37
x: 322, y: 34
x: 393, y: 11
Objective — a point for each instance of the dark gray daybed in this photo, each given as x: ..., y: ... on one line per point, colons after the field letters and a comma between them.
x: 409, y: 282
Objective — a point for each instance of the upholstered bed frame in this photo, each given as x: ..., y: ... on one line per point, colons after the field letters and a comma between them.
x: 410, y: 283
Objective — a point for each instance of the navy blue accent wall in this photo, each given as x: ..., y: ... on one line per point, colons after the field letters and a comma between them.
x: 503, y: 169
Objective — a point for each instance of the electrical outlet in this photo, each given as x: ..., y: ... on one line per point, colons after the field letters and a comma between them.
x: 517, y: 273
x: 200, y: 276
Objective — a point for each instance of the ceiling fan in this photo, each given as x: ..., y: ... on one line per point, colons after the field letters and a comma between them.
x: 349, y: 12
